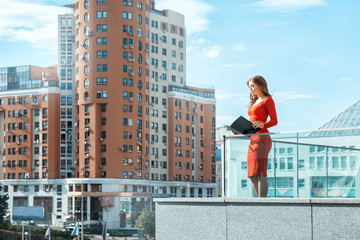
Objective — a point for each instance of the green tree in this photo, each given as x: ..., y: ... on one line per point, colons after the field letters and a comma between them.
x: 3, y: 208
x: 146, y: 222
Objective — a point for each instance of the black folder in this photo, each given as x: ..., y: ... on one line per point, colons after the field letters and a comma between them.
x: 243, y: 126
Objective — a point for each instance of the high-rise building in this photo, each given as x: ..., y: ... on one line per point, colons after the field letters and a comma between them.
x: 125, y: 126
x: 130, y: 81
x: 29, y: 122
x: 66, y: 73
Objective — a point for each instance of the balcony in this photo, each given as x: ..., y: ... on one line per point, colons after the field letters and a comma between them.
x: 313, y: 192
x: 300, y: 165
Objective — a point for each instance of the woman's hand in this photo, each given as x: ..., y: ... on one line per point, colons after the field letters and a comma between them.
x: 258, y: 124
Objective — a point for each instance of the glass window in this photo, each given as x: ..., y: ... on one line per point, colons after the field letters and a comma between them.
x: 86, y: 4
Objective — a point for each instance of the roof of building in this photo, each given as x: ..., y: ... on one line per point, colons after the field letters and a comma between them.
x: 349, y: 118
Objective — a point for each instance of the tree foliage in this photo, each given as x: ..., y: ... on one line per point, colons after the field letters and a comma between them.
x: 146, y: 222
x: 3, y: 208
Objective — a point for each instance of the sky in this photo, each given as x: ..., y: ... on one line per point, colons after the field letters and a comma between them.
x: 307, y: 50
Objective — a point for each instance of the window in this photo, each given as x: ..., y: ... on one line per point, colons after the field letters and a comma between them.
x: 335, y: 162
x: 244, y: 183
x: 312, y: 162
x: 320, y: 162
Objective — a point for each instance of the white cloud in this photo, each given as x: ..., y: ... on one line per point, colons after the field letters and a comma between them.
x: 198, y: 41
x: 212, y: 52
x: 28, y: 22
x: 239, y: 47
x: 239, y: 65
x: 195, y: 13
x: 288, y: 5
x: 346, y: 79
x: 284, y: 96
x: 274, y: 24
x: 317, y: 61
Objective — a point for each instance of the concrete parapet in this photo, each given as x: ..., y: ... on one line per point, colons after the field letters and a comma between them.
x: 257, y: 218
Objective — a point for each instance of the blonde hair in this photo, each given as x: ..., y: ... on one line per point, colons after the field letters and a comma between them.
x: 261, y: 83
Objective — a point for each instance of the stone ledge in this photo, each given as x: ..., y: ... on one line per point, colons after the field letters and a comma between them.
x: 261, y: 200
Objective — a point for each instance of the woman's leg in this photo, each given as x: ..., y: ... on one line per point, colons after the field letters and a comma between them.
x: 263, y: 186
x: 255, y: 183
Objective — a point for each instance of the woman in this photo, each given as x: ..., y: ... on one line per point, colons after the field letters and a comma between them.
x: 261, y: 106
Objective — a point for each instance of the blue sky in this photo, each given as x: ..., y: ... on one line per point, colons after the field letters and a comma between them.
x: 307, y: 50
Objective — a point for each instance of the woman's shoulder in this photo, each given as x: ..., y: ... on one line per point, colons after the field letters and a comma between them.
x: 269, y: 99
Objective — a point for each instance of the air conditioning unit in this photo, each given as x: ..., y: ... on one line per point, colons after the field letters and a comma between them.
x: 131, y: 46
x: 85, y: 142
x: 34, y: 104
x: 75, y: 124
x: 131, y: 33
x: 101, y: 139
x: 36, y: 141
x: 37, y: 129
x: 87, y: 154
x: 81, y: 57
x: 5, y: 164
x: 75, y: 162
x: 17, y: 143
x: 124, y: 46
x: 130, y: 99
x: 45, y: 169
x: 82, y: 174
x: 81, y: 168
x: 7, y: 130
x: 32, y: 168
x: 131, y: 74
x: 89, y: 33
x: 87, y: 129
x: 100, y: 166
x: 15, y: 163
x: 121, y: 148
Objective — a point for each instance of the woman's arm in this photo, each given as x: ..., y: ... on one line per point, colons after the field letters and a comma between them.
x: 270, y: 108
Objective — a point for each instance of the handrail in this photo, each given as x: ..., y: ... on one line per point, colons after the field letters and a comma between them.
x: 289, y: 132
x: 296, y: 140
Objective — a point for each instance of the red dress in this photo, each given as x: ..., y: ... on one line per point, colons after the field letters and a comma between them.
x: 260, y: 145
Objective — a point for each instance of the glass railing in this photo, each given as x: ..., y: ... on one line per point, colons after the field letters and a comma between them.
x: 308, y: 164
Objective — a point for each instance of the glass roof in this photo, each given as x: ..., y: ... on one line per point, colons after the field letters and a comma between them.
x: 349, y: 118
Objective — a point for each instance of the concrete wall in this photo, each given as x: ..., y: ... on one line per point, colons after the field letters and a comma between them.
x: 233, y: 219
